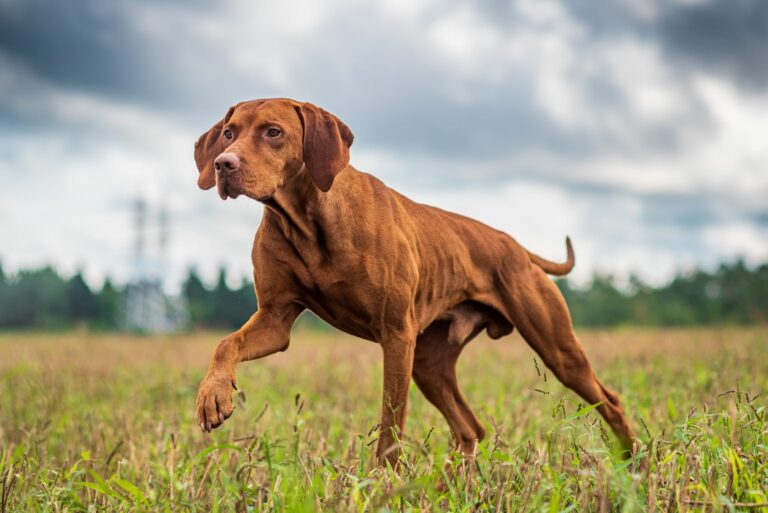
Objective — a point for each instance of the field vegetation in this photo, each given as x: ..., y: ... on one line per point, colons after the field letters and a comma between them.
x: 93, y: 422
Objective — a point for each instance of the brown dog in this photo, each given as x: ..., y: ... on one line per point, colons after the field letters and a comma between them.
x: 419, y: 281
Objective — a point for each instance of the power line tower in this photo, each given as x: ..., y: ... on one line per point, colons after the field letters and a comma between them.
x: 163, y: 223
x: 145, y: 307
x: 139, y: 264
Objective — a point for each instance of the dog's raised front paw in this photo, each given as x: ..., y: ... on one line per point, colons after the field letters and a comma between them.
x: 214, y: 402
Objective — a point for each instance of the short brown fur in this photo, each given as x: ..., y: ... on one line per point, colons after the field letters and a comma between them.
x: 419, y: 281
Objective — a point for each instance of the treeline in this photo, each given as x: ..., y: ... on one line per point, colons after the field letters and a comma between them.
x: 733, y: 294
x: 218, y: 307
x: 42, y: 298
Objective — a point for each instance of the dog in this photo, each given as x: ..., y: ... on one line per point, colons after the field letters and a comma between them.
x: 419, y: 281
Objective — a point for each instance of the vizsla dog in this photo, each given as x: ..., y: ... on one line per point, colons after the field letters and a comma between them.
x: 419, y: 281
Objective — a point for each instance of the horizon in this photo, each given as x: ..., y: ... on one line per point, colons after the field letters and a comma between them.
x: 622, y: 284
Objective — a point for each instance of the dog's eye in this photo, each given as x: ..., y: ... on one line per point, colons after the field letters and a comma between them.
x: 274, y: 132
x: 228, y: 133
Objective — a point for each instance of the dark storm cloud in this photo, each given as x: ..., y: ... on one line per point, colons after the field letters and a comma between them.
x: 78, y: 44
x: 101, y: 48
x: 725, y: 36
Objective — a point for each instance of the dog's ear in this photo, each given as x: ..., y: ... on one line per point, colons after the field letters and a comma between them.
x: 326, y: 144
x: 207, y: 148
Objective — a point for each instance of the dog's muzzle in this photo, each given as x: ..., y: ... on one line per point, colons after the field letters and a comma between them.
x: 225, y: 164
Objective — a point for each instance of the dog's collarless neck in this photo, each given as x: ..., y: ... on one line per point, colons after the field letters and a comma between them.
x: 296, y: 205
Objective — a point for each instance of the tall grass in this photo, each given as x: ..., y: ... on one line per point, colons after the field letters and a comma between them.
x: 106, y: 423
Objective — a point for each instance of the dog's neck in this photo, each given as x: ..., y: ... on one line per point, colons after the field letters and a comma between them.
x: 297, y: 207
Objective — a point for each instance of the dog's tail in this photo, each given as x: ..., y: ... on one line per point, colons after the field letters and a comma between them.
x: 554, y: 268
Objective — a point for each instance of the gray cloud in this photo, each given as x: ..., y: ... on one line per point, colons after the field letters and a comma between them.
x: 136, y: 52
x: 442, y: 97
x: 80, y: 45
x: 389, y: 86
x: 724, y: 36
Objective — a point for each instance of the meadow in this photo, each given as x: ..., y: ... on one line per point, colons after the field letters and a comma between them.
x: 92, y: 422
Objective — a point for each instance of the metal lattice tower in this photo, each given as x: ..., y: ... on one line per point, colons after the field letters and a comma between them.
x: 138, y: 264
x: 146, y: 307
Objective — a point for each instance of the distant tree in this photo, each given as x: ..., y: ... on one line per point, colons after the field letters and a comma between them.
x: 244, y: 303
x: 602, y: 304
x: 740, y: 293
x: 220, y: 302
x: 231, y: 308
x: 197, y: 297
x: 3, y: 279
x: 4, y: 297
x: 639, y: 299
x: 82, y: 303
x: 108, y: 300
x: 36, y: 298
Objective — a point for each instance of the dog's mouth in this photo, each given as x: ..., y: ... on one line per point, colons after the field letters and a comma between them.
x: 225, y: 189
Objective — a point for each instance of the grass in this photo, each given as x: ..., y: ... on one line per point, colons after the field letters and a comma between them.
x: 106, y: 423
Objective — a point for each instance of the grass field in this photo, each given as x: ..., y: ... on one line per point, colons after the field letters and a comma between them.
x: 106, y: 423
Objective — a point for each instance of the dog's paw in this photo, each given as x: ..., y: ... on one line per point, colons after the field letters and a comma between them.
x: 214, y: 402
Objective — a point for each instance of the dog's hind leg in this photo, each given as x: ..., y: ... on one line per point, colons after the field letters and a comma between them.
x: 539, y: 311
x: 434, y: 372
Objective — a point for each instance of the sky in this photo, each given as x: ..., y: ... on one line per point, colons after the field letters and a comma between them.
x: 637, y: 128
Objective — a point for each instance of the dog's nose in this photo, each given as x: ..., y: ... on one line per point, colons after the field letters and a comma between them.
x: 226, y: 163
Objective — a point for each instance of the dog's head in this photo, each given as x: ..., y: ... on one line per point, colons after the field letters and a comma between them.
x: 259, y: 145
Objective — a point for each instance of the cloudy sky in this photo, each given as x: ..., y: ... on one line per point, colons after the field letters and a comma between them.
x: 639, y: 128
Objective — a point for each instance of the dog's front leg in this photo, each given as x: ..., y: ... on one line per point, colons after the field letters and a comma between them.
x: 398, y: 365
x: 265, y: 333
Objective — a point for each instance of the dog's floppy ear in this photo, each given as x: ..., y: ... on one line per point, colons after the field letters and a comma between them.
x: 326, y: 144
x: 207, y: 148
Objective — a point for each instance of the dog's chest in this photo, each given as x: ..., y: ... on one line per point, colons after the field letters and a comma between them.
x: 352, y: 291
x: 343, y: 278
